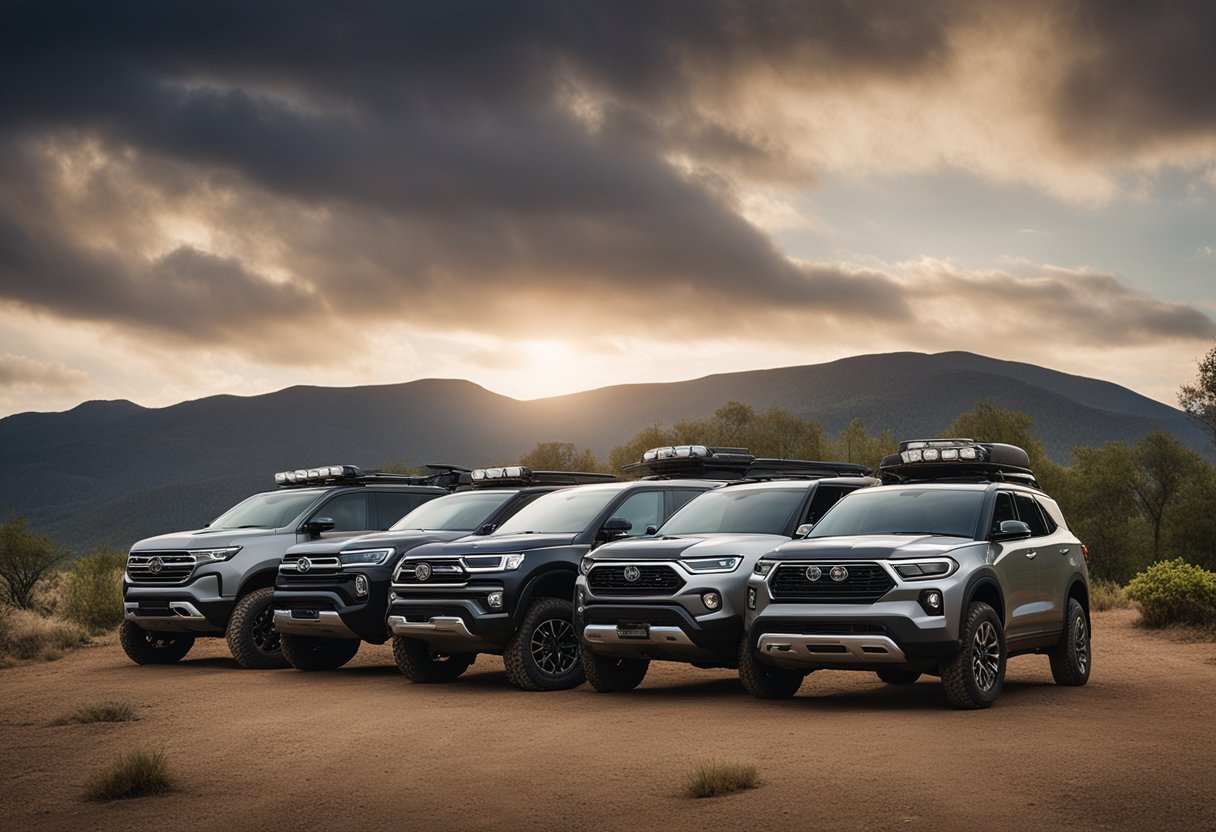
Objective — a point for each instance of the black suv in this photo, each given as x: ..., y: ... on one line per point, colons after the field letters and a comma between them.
x: 956, y: 563
x: 331, y: 596
x: 678, y: 596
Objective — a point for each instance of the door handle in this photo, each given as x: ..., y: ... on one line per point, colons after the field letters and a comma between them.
x: 1064, y: 550
x: 1032, y: 554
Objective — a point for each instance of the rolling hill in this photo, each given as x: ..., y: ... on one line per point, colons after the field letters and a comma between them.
x: 113, y: 472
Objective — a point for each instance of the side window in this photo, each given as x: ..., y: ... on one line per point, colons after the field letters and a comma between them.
x: 1002, y: 511
x: 348, y: 511
x: 825, y: 497
x: 391, y: 506
x: 1028, y: 513
x: 1051, y: 513
x: 677, y: 499
x: 642, y: 509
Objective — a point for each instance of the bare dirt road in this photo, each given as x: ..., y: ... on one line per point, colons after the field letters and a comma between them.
x: 361, y: 748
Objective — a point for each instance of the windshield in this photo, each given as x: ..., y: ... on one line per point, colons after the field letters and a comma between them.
x: 561, y: 512
x: 889, y: 510
x: 271, y: 510
x: 454, y: 513
x: 739, y: 511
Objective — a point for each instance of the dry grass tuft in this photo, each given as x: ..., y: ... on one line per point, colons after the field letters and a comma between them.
x: 1108, y: 595
x: 101, y: 712
x: 26, y: 635
x: 711, y: 778
x: 137, y: 774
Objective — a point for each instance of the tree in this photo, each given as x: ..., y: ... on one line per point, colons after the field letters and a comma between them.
x: 990, y: 422
x: 856, y: 444
x: 1097, y: 499
x: 25, y: 559
x: 1199, y: 397
x: 560, y: 456
x: 1162, y: 468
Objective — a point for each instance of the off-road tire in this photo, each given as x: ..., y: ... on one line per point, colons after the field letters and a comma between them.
x: 317, y: 653
x: 898, y: 676
x: 251, y: 635
x: 974, y: 676
x: 146, y: 647
x: 764, y: 681
x: 610, y: 674
x: 418, y: 663
x: 543, y: 654
x: 1072, y: 658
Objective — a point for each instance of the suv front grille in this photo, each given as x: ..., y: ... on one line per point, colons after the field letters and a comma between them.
x: 659, y: 579
x: 160, y: 567
x: 865, y: 584
x: 442, y: 571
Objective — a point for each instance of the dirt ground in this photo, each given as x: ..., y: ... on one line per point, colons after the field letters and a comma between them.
x: 362, y: 748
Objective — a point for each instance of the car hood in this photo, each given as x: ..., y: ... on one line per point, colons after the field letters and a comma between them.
x: 402, y: 541
x: 200, y: 539
x: 495, y: 545
x: 688, y: 546
x: 869, y: 547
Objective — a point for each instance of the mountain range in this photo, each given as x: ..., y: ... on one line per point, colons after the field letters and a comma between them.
x: 111, y: 472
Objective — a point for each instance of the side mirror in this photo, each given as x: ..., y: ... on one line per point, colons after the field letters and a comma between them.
x: 615, y: 527
x: 651, y: 529
x: 486, y: 528
x: 803, y: 530
x: 316, y: 525
x: 1012, y: 530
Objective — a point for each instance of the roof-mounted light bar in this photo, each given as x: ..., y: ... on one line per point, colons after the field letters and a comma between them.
x: 507, y: 472
x: 680, y: 452
x: 957, y: 459
x: 523, y: 475
x: 322, y: 474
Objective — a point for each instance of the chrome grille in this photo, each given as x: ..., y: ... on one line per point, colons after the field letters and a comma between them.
x: 442, y: 571
x: 659, y: 579
x: 170, y: 567
x: 865, y: 584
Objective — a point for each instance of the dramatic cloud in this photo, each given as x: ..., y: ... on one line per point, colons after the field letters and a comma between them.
x: 20, y: 371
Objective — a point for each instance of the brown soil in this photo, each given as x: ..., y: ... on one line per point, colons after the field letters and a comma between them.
x: 362, y: 748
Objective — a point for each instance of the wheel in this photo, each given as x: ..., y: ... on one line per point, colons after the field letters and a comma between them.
x: 763, y: 680
x: 897, y: 676
x: 973, y: 678
x: 251, y: 635
x: 1072, y: 659
x: 544, y: 653
x: 146, y: 647
x: 608, y: 674
x: 316, y: 653
x: 418, y: 663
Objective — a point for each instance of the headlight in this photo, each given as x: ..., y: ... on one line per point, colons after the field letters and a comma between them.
x: 702, y: 566
x: 920, y: 570
x: 512, y: 562
x: 202, y: 556
x: 365, y: 557
x: 763, y: 567
x: 584, y: 566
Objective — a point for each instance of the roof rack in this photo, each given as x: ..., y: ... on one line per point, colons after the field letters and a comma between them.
x: 523, y: 476
x: 444, y: 476
x: 705, y: 462
x: 957, y: 460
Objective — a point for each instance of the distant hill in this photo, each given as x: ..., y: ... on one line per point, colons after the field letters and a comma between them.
x: 113, y: 472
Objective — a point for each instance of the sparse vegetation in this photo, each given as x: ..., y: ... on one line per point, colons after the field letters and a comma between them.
x: 1107, y: 595
x: 711, y: 778
x: 137, y: 774
x: 92, y: 591
x: 25, y: 560
x: 100, y: 712
x: 26, y: 635
x: 1175, y: 592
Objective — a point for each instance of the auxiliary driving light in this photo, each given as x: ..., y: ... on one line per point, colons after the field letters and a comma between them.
x: 751, y: 597
x: 712, y: 600
x: 931, y: 601
x: 494, y: 600
x: 361, y: 586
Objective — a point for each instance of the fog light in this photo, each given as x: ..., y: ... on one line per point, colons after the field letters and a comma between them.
x: 392, y: 596
x: 712, y: 600
x: 931, y: 601
x: 580, y: 600
x: 361, y: 586
x: 494, y: 599
x: 751, y: 597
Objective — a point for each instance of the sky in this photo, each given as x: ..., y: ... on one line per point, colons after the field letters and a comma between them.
x: 551, y: 196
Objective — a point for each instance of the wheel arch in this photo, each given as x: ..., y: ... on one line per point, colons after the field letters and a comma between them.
x: 985, y: 587
x: 557, y: 582
x: 261, y: 579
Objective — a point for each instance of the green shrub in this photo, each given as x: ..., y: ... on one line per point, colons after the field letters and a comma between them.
x: 1175, y: 592
x: 136, y: 774
x: 27, y: 635
x: 101, y: 712
x: 1107, y: 595
x: 92, y: 591
x: 711, y: 778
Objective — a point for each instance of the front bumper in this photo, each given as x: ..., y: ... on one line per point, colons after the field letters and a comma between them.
x: 457, y: 624
x: 330, y: 602
x: 197, y: 608
x: 672, y: 633
x: 325, y: 624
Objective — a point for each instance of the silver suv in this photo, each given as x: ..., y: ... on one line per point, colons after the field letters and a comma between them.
x: 218, y: 580
x: 957, y: 563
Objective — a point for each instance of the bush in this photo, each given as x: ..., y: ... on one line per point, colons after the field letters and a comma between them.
x: 92, y: 591
x: 1107, y: 595
x: 136, y: 774
x: 1175, y: 592
x: 711, y: 778
x: 25, y: 559
x: 28, y: 635
x: 101, y: 712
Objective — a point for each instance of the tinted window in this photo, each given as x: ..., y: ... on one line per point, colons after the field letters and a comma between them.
x: 825, y: 497
x: 900, y: 510
x: 737, y: 511
x: 642, y: 509
x: 463, y: 512
x: 560, y: 512
x: 681, y: 497
x: 393, y: 505
x: 1003, y: 510
x: 348, y: 511
x: 272, y: 510
x: 1028, y: 513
